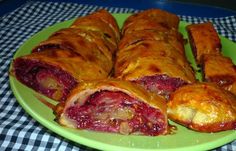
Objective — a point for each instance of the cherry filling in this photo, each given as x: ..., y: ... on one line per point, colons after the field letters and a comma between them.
x: 46, y: 79
x: 161, y: 84
x: 117, y: 112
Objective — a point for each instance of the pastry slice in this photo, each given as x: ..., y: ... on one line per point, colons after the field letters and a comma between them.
x: 203, y: 39
x: 220, y: 70
x: 113, y: 106
x: 203, y: 107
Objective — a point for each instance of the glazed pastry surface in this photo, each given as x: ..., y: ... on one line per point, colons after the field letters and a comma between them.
x: 220, y: 70
x: 203, y: 107
x: 203, y: 40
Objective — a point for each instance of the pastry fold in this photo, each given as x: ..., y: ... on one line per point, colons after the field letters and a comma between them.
x: 115, y: 106
x: 203, y: 107
x: 83, y: 51
x: 152, y: 57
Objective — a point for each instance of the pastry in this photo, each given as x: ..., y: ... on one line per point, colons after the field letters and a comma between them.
x: 113, y: 106
x: 153, y: 57
x: 206, y: 46
x: 83, y: 51
x: 203, y: 39
x: 220, y: 70
x: 203, y: 107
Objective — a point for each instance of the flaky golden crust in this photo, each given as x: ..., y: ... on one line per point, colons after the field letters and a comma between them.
x: 106, y: 17
x: 69, y: 40
x: 203, y: 107
x: 172, y: 37
x: 147, y: 58
x: 151, y: 19
x: 203, y: 40
x: 100, y: 21
x: 220, y: 70
x: 70, y: 62
x: 77, y: 40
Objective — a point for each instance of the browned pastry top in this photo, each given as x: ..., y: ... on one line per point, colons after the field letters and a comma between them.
x: 151, y: 19
x: 101, y: 21
x: 172, y: 37
x: 221, y: 70
x: 152, y: 58
x: 203, y: 39
x: 203, y: 107
x: 69, y: 62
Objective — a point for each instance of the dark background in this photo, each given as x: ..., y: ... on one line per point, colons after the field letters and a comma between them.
x: 228, y: 4
x: 201, y: 8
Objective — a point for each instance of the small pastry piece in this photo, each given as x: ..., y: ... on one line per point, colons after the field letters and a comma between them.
x: 203, y: 39
x: 203, y: 107
x: 113, y: 106
x: 220, y: 70
x: 206, y: 47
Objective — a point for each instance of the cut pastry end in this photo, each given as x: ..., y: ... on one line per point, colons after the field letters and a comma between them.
x: 46, y: 79
x: 111, y: 111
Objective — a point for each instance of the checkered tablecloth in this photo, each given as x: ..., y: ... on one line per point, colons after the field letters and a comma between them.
x: 18, y: 130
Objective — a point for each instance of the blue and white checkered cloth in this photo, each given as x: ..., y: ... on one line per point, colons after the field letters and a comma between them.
x: 19, y: 131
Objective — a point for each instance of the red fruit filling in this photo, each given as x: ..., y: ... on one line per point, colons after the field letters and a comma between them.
x: 119, y: 113
x: 161, y: 84
x: 43, y: 78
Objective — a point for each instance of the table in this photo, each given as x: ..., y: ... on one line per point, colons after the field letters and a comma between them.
x: 20, y: 20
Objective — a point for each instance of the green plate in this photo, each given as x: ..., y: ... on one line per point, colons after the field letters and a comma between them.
x: 183, y: 139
